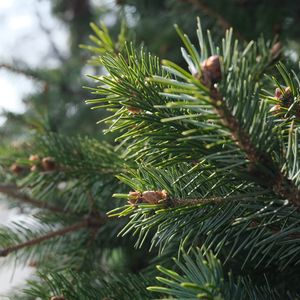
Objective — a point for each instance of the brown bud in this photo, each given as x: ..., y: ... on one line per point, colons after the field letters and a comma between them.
x: 48, y: 163
x: 287, y: 97
x: 275, y: 109
x: 16, y: 168
x: 154, y: 197
x: 134, y: 110
x: 276, y: 50
x: 211, y: 70
x: 34, y: 168
x: 58, y: 298
x: 287, y: 91
x: 134, y: 197
x: 278, y: 93
x: 34, y: 157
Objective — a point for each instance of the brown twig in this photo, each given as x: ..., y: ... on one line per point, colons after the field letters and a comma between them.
x: 176, y: 202
x: 50, y: 235
x: 221, y: 21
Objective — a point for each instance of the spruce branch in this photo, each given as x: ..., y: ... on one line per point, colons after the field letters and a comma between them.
x: 281, y: 185
x: 163, y: 199
x: 89, y: 222
x: 50, y: 235
x: 22, y: 71
x: 201, y: 276
x: 91, y: 284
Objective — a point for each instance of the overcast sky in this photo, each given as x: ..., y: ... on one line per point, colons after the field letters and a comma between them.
x: 22, y: 39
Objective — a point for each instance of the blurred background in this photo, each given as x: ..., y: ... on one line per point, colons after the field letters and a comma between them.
x: 42, y: 68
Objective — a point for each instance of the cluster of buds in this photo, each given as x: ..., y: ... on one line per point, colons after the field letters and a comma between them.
x: 17, y: 169
x: 285, y: 100
x: 46, y: 164
x: 276, y: 50
x: 211, y: 71
x: 150, y: 197
x: 34, y: 159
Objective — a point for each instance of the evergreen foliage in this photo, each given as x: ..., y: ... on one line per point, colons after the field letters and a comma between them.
x: 207, y: 160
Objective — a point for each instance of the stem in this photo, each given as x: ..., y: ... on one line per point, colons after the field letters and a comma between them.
x: 174, y: 202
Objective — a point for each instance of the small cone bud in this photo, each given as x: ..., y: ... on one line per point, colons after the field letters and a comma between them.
x: 275, y: 109
x: 48, y: 163
x: 34, y: 168
x: 211, y: 70
x: 287, y: 98
x: 134, y: 197
x: 278, y: 93
x: 58, y: 298
x: 34, y: 157
x: 134, y: 110
x: 287, y: 91
x: 16, y: 169
x: 154, y: 197
x: 276, y: 50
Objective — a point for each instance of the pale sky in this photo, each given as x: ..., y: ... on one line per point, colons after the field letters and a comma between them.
x: 22, y: 39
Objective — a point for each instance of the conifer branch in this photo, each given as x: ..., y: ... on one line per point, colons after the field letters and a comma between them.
x: 50, y: 235
x: 90, y: 222
x: 281, y: 185
x: 22, y: 71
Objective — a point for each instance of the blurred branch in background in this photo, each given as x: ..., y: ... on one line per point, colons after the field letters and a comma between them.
x: 220, y: 20
x: 48, y: 33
